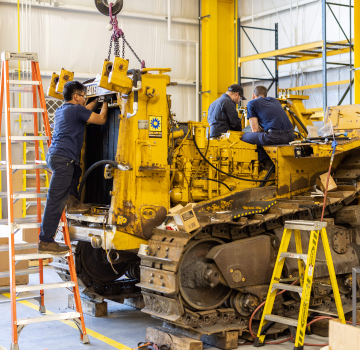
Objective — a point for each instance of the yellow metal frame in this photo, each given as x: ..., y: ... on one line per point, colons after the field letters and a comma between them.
x: 219, y: 47
x: 294, y: 50
x: 356, y: 57
x: 306, y: 278
x: 315, y: 86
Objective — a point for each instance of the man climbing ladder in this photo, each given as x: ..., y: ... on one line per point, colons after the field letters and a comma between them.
x: 14, y: 224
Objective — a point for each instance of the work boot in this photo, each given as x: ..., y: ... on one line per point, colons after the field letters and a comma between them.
x: 74, y: 206
x: 52, y: 248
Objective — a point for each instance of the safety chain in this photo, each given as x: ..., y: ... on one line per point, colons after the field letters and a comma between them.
x: 118, y: 33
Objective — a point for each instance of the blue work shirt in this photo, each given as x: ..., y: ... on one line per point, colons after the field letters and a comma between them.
x: 269, y: 112
x: 68, y: 136
x: 222, y: 116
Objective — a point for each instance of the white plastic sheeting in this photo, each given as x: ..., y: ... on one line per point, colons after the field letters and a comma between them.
x: 79, y: 41
x: 297, y: 26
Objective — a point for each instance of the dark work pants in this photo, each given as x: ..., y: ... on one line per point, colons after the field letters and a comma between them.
x: 64, y: 182
x: 274, y: 137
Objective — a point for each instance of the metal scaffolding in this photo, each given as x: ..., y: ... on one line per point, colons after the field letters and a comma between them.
x: 348, y: 43
x: 275, y: 76
x: 318, y: 49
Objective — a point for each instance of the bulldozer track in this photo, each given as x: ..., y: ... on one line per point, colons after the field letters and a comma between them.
x: 160, y: 268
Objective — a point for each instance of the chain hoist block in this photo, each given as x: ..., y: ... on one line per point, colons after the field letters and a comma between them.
x: 65, y: 76
x: 118, y: 76
x: 103, y: 6
x: 51, y: 91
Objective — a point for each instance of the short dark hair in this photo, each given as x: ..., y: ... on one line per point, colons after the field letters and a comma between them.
x: 71, y: 88
x: 260, y: 91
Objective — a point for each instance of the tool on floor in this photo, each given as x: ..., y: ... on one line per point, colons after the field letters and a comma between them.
x: 306, y: 274
x: 36, y: 89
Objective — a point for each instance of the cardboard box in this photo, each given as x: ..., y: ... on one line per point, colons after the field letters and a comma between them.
x: 4, y: 265
x: 31, y: 235
x: 185, y: 217
x: 343, y: 336
x: 321, y: 182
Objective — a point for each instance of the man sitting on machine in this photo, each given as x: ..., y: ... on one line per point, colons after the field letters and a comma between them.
x: 222, y: 114
x: 269, y: 124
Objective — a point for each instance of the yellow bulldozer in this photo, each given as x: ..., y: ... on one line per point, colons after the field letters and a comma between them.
x: 142, y: 163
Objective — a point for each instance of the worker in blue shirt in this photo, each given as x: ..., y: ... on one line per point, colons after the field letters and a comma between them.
x: 222, y: 114
x: 63, y: 159
x: 269, y: 124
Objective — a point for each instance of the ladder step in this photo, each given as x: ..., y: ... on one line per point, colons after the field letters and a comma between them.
x: 289, y: 287
x: 24, y: 82
x: 37, y: 256
x: 25, y: 138
x: 34, y: 188
x: 33, y: 176
x: 20, y: 299
x: 24, y: 166
x: 305, y: 225
x: 30, y: 203
x: 18, y: 246
x: 281, y: 319
x: 28, y: 218
x: 29, y: 288
x: 294, y: 256
x: 23, y: 194
x: 21, y: 89
x: 48, y: 318
x: 20, y: 272
x: 27, y: 225
x: 26, y: 110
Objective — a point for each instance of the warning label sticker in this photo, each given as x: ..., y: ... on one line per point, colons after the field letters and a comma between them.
x: 311, y: 267
x: 155, y: 127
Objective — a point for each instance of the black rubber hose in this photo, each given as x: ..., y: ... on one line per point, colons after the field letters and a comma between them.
x: 298, y: 120
x: 95, y: 165
x: 220, y: 182
x: 223, y: 172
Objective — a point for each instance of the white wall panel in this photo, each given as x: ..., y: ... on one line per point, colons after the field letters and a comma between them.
x: 79, y: 41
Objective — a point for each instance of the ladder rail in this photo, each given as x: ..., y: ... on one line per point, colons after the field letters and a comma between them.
x: 37, y: 172
x: 305, y: 298
x: 299, y: 251
x: 332, y: 273
x: 270, y: 299
x: 5, y: 85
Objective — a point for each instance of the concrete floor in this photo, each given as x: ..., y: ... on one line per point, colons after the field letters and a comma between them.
x: 122, y: 329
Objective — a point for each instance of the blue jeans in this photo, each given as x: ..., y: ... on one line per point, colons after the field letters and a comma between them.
x: 64, y: 182
x: 274, y: 137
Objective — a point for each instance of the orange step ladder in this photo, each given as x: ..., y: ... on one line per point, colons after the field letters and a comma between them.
x: 35, y: 87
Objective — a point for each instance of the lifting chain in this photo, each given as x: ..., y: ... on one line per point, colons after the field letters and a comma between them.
x: 118, y: 33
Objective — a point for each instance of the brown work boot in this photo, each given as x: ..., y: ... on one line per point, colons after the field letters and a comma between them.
x: 52, y: 248
x: 74, y: 206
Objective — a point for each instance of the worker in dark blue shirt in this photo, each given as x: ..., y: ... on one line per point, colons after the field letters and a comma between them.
x: 222, y: 114
x: 63, y: 159
x: 269, y: 123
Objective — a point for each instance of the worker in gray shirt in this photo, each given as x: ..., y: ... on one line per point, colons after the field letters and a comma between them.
x: 222, y: 114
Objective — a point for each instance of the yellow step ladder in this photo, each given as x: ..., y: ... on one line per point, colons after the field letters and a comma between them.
x: 306, y: 274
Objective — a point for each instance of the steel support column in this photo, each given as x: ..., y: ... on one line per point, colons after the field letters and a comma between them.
x: 324, y: 58
x: 218, y: 49
x: 356, y: 55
